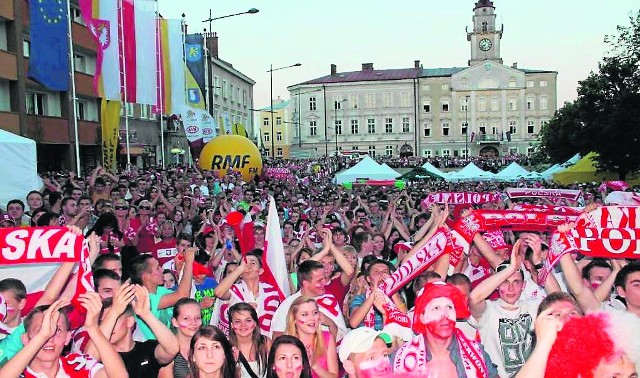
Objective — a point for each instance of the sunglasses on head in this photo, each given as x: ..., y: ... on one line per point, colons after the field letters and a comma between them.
x: 145, y: 207
x: 122, y: 207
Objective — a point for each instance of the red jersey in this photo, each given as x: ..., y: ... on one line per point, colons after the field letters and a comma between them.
x: 73, y: 365
x: 165, y: 251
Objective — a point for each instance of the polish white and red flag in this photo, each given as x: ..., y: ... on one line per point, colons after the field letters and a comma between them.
x: 273, y: 260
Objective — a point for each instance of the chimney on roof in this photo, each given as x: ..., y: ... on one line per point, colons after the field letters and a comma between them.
x: 416, y: 63
x: 334, y: 70
x: 367, y: 66
x: 514, y: 65
x: 211, y: 41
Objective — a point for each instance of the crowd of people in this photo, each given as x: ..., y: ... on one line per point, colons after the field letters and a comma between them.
x: 180, y: 292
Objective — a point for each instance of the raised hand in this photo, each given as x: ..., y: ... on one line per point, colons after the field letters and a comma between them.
x: 92, y: 302
x: 141, y: 305
x: 50, y: 319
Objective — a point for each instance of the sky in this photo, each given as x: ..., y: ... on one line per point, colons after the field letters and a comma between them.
x: 566, y: 36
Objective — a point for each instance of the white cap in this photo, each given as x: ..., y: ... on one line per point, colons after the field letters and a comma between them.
x: 360, y: 340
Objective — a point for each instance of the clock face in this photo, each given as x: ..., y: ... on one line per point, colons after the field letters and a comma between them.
x: 485, y: 44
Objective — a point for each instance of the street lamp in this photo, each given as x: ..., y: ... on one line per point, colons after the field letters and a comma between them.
x: 271, y: 69
x: 210, y: 19
x: 466, y: 125
x: 337, y: 105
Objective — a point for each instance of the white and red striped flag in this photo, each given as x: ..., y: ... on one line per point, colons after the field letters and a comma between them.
x: 273, y: 260
x: 138, y: 55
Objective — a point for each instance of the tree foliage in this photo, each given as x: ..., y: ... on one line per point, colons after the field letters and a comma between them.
x: 605, y: 118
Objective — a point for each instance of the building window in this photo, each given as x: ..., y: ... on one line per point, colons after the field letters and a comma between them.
x: 543, y: 83
x: 279, y: 135
x: 388, y: 125
x: 426, y: 106
x: 26, y: 48
x: 464, y: 105
x: 387, y: 100
x: 543, y: 103
x: 313, y: 128
x: 513, y: 104
x: 485, y: 26
x: 427, y: 130
x: 80, y: 62
x: 355, y: 127
x: 404, y: 99
x: 144, y: 111
x: 513, y: 150
x: 445, y: 105
x: 337, y: 104
x: 372, y: 151
x: 426, y: 87
x: 225, y: 89
x: 531, y: 103
x: 463, y: 128
x: 530, y: 83
x: 512, y: 83
x: 129, y: 109
x: 446, y: 153
x: 244, y: 98
x: 265, y: 121
x: 312, y: 103
x: 355, y: 148
x: 388, y: 150
x: 531, y: 127
x: 371, y: 100
x: 278, y: 121
x: 371, y: 126
x: 232, y: 93
x: 426, y: 153
x: 238, y: 95
x: 216, y: 86
x: 267, y: 138
x: 530, y: 150
x: 495, y: 104
x: 267, y: 152
x: 76, y: 15
x: 513, y: 127
x: 445, y: 128
x: 494, y: 127
x: 338, y: 127
x: 482, y: 104
x: 405, y: 124
x: 445, y: 87
x: 353, y: 101
x: 82, y: 110
x: 482, y: 128
x: 279, y: 151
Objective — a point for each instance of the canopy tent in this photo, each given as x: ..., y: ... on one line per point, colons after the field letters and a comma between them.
x: 366, y: 168
x: 470, y: 173
x: 389, y: 170
x: 512, y: 172
x: 418, y: 174
x: 429, y: 167
x: 19, y: 170
x: 583, y: 171
x: 547, y: 174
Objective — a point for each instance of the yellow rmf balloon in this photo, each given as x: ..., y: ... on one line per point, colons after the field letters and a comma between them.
x: 233, y: 152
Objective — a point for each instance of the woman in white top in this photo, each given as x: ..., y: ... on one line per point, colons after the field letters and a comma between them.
x: 250, y: 346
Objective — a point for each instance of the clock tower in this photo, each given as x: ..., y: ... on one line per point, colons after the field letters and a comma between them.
x: 485, y: 38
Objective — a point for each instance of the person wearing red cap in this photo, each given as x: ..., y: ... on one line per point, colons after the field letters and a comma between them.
x: 440, y: 349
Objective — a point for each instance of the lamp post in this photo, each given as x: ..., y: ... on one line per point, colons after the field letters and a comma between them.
x: 271, y: 69
x: 466, y: 125
x: 211, y: 19
x: 337, y: 105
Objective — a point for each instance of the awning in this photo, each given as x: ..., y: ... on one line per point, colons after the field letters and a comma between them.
x: 133, y: 150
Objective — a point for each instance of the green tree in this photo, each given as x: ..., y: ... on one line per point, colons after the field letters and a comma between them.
x: 605, y: 118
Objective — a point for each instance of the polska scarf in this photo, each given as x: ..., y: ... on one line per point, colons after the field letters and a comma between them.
x: 460, y: 198
x: 567, y: 194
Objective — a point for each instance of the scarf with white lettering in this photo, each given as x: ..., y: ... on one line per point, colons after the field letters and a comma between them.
x: 412, y: 357
x: 572, y: 195
x: 608, y: 232
x: 47, y: 247
x: 460, y: 198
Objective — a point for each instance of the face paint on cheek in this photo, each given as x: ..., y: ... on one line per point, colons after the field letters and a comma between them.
x: 441, y: 328
x: 380, y: 367
x: 299, y: 367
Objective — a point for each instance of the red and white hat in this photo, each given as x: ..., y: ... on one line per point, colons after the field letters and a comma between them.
x: 402, y: 246
x: 439, y: 289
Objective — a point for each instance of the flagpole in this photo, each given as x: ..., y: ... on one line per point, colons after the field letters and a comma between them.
x: 74, y: 100
x: 161, y: 82
x: 184, y: 65
x: 124, y: 84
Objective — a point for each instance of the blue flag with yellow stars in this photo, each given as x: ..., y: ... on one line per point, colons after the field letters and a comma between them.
x: 49, y: 50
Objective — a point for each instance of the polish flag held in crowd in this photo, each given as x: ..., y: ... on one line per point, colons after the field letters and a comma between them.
x: 273, y: 260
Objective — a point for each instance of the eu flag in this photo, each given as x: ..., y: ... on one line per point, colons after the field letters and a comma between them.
x: 49, y: 51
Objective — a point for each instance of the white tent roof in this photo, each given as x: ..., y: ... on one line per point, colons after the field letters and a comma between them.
x: 429, y: 167
x: 19, y: 170
x: 389, y: 170
x: 512, y: 172
x: 366, y: 168
x: 470, y: 173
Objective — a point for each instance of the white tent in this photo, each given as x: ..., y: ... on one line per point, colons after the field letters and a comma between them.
x: 366, y: 168
x: 19, y: 170
x: 470, y: 173
x: 389, y: 170
x: 512, y: 172
x: 429, y: 167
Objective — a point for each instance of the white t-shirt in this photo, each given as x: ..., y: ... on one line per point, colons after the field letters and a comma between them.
x: 506, y: 334
x: 327, y: 304
x: 267, y: 300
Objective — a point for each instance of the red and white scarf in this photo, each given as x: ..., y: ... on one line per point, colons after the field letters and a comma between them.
x: 46, y: 247
x: 568, y: 194
x: 608, y: 232
x: 460, y: 198
x: 268, y: 301
x: 412, y: 357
